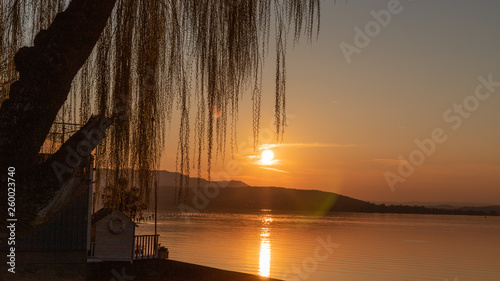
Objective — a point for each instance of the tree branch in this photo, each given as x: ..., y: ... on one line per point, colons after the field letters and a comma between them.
x: 46, y: 72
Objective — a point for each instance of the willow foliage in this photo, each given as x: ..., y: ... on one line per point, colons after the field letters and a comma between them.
x: 155, y: 55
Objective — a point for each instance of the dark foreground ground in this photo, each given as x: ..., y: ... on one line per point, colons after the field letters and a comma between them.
x: 159, y: 270
x: 146, y: 270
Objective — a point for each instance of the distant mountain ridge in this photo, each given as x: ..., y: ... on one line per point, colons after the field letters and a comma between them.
x: 443, y: 205
x: 167, y: 178
x: 238, y: 196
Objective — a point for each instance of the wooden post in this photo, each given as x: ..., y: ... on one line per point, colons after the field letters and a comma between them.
x: 156, y: 206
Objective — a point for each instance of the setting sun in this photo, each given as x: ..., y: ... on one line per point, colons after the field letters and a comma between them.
x: 267, y: 157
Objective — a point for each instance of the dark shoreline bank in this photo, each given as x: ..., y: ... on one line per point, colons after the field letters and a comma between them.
x: 166, y: 269
x: 140, y: 270
x: 278, y: 199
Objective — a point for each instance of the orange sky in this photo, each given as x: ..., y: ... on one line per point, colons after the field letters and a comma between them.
x: 350, y: 122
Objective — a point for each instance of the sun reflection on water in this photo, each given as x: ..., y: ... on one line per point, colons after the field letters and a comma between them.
x: 265, y: 247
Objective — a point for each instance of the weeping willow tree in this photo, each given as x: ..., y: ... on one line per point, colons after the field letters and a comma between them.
x: 132, y: 63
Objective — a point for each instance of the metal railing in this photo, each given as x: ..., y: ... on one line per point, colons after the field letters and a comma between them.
x: 145, y: 247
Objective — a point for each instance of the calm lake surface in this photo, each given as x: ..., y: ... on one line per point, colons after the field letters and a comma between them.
x: 342, y: 246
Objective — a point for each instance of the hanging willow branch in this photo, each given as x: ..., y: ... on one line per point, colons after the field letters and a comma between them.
x: 157, y: 54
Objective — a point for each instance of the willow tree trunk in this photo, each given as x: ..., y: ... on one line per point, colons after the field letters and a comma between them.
x: 46, y: 71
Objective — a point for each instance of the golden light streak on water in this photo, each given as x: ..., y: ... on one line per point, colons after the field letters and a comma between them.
x: 265, y: 248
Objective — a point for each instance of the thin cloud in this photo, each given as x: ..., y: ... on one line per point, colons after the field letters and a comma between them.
x: 390, y: 162
x: 303, y: 145
x: 275, y: 170
x: 259, y: 162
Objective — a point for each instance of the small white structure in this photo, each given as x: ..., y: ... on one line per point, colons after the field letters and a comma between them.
x: 112, y: 236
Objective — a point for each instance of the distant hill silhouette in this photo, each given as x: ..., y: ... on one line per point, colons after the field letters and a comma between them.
x: 167, y: 178
x: 236, y: 196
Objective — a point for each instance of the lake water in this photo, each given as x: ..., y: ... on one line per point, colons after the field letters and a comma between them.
x: 341, y: 246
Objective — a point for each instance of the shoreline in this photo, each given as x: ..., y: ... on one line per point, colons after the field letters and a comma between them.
x: 139, y: 270
x: 166, y: 269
